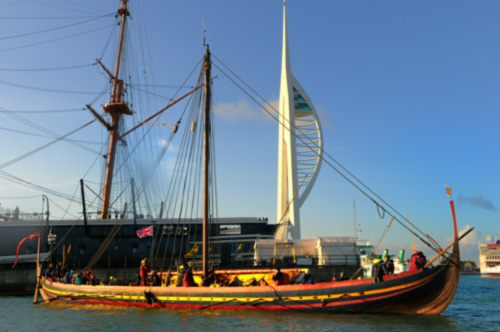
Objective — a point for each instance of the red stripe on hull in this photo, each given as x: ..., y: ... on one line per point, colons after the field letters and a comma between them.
x: 490, y: 275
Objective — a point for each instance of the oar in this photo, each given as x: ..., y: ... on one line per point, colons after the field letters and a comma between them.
x: 38, y: 273
x: 447, y: 248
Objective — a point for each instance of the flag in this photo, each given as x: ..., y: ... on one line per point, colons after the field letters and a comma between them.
x: 143, y: 232
x: 33, y: 236
x: 448, y: 190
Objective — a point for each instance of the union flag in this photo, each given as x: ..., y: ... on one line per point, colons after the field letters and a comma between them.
x: 143, y: 232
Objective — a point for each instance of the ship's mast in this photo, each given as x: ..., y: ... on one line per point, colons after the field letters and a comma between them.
x: 115, y: 108
x: 206, y: 161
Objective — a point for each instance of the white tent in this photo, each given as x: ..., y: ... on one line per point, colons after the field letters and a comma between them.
x: 337, y: 251
x: 326, y: 250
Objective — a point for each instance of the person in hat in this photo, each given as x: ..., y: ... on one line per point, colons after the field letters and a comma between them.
x: 144, y: 271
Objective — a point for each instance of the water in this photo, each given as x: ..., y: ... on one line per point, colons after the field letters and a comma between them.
x: 476, y: 307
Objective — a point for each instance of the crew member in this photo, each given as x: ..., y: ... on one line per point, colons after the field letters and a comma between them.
x: 306, y: 278
x: 377, y: 270
x: 278, y: 277
x: 143, y: 271
x: 388, y: 265
x: 417, y: 261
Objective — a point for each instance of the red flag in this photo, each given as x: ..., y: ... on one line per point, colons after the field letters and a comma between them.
x: 33, y: 236
x: 143, y: 232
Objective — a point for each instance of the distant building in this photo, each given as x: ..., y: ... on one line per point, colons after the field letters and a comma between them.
x: 468, y: 266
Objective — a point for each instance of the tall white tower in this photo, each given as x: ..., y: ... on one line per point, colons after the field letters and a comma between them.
x: 299, y: 147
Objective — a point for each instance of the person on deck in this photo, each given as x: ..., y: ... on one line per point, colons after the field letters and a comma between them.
x: 377, y: 270
x: 181, y: 270
x: 50, y: 271
x: 93, y: 280
x: 143, y: 271
x: 85, y: 277
x: 278, y: 277
x: 112, y: 281
x: 417, y: 261
x: 58, y: 270
x: 67, y: 277
x: 306, y: 278
x: 388, y: 265
x: 78, y: 279
x: 155, y: 279
x: 188, y: 279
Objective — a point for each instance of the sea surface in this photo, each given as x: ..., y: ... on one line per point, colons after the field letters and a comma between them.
x: 476, y: 307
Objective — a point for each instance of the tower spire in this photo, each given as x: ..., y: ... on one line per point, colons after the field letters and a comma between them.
x: 299, y: 146
x: 288, y: 212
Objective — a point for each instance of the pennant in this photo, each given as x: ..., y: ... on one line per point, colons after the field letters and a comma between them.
x: 143, y: 232
x: 33, y: 236
x: 448, y: 190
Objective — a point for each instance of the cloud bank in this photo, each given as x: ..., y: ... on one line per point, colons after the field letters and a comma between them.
x: 242, y: 111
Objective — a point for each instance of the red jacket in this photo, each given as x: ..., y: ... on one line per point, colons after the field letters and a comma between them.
x: 144, y: 270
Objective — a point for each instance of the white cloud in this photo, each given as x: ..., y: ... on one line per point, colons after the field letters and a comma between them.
x: 473, y: 238
x: 469, y: 244
x: 491, y: 238
x: 242, y: 111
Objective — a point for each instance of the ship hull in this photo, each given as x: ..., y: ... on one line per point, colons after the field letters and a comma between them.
x: 490, y: 275
x: 489, y: 261
x: 125, y: 249
x: 427, y: 292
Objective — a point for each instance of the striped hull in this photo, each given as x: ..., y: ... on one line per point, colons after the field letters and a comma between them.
x: 412, y: 293
x: 490, y: 275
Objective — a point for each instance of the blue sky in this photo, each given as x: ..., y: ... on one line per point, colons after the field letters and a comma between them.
x: 407, y: 94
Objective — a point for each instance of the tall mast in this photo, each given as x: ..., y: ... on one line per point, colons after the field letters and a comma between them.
x: 115, y: 108
x: 206, y: 161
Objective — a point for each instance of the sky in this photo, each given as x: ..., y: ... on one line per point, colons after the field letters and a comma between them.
x: 407, y: 94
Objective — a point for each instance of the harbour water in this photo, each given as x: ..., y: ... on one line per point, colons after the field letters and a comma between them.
x: 476, y: 307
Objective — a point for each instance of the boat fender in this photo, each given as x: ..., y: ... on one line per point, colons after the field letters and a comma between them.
x: 150, y: 298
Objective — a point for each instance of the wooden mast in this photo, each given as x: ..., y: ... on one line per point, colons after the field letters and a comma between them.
x: 206, y: 161
x: 115, y: 109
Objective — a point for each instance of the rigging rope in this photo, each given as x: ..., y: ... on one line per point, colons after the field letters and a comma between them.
x: 45, y: 146
x: 53, y: 40
x: 56, y: 28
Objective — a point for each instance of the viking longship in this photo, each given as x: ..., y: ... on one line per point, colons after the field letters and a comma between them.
x: 427, y: 290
